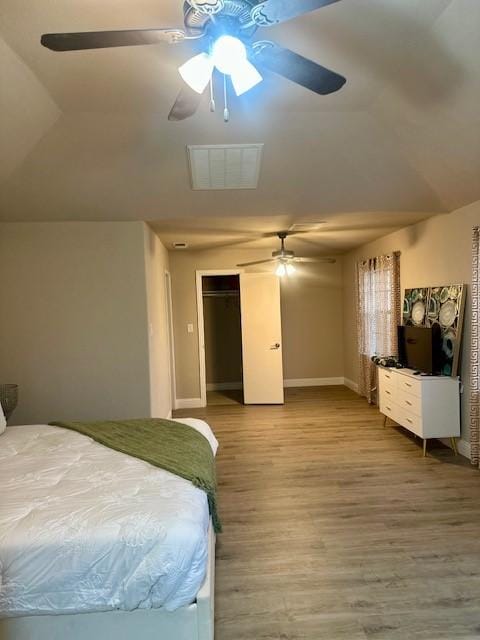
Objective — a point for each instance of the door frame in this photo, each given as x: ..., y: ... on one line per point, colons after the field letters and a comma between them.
x: 170, y: 336
x: 201, y: 326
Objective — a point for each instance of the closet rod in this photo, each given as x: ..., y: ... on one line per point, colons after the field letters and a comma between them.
x: 218, y: 294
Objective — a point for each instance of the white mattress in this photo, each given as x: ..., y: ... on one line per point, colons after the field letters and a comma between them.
x: 84, y: 528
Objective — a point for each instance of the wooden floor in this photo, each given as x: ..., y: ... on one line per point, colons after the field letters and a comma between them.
x: 337, y: 528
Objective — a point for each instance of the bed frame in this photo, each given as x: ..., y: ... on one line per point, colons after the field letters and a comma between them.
x: 193, y: 622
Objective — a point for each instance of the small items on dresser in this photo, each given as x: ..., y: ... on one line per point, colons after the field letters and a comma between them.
x: 8, y: 398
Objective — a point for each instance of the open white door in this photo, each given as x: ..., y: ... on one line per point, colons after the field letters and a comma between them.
x: 261, y: 338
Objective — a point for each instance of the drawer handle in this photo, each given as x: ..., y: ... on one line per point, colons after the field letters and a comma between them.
x: 408, y: 402
x: 407, y: 384
x: 387, y: 376
x: 388, y: 393
x: 389, y: 408
x: 408, y: 420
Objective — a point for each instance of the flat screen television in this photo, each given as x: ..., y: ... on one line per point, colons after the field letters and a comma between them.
x: 420, y: 348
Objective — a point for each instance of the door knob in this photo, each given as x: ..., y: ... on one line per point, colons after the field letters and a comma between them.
x: 275, y: 346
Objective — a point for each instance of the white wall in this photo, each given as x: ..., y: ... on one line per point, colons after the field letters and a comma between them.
x: 74, y: 321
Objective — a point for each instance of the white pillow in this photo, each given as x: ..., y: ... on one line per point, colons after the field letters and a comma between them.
x: 3, y: 422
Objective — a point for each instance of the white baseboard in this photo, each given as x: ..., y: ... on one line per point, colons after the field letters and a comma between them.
x: 463, y: 446
x: 312, y: 382
x: 224, y: 386
x: 350, y: 384
x: 188, y: 403
x: 293, y: 382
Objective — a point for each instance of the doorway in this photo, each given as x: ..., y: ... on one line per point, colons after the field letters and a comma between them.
x: 243, y: 345
x: 222, y: 329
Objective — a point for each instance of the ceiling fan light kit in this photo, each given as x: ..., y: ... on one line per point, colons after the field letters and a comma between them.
x: 227, y: 27
x: 285, y: 259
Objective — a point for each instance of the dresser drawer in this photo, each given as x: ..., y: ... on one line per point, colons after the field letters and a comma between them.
x: 409, y: 385
x: 386, y: 378
x: 411, y: 422
x: 409, y: 402
x: 391, y: 410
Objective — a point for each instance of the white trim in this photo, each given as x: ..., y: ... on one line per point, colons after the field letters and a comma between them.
x: 224, y: 386
x: 189, y: 403
x: 463, y: 446
x: 170, y: 336
x: 312, y: 382
x: 200, y: 326
x: 350, y: 384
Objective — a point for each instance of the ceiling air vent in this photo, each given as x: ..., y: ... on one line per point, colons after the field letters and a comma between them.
x: 218, y: 166
x: 180, y: 245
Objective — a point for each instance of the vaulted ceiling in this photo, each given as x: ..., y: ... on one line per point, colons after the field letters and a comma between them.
x: 85, y: 135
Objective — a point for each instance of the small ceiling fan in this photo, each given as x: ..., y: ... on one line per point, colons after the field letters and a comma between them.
x: 285, y: 259
x: 226, y: 27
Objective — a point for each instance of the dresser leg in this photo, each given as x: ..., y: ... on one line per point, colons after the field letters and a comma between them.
x: 424, y: 447
x: 453, y: 442
x: 384, y: 421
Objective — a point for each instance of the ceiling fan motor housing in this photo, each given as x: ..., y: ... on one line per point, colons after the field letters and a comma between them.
x: 283, y: 253
x: 232, y: 16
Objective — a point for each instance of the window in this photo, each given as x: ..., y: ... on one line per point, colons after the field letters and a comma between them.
x: 378, y: 303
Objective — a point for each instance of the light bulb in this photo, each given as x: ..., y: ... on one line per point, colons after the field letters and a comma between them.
x: 197, y: 71
x: 290, y: 269
x: 281, y: 270
x: 227, y: 53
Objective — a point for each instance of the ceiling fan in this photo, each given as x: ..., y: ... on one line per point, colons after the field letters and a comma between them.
x: 226, y: 27
x: 285, y: 258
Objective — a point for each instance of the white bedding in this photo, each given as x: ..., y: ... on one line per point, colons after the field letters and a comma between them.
x: 84, y: 528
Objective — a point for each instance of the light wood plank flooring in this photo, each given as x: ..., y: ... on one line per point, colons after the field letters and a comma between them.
x: 337, y: 528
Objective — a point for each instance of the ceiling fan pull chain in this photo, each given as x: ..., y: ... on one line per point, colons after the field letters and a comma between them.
x: 212, y: 97
x: 226, y: 112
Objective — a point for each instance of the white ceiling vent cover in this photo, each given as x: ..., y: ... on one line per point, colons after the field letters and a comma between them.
x: 219, y: 166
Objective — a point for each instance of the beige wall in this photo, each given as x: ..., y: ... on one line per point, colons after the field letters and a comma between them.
x: 73, y: 321
x: 311, y: 316
x: 156, y: 264
x: 435, y: 252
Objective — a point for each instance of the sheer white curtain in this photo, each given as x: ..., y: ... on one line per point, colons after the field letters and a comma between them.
x: 475, y: 352
x: 378, y: 314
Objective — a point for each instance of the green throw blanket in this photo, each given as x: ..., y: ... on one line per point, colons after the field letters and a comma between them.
x: 169, y: 445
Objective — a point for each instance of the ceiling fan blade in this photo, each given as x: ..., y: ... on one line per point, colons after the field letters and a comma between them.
x: 185, y: 105
x: 274, y: 11
x: 296, y: 68
x: 105, y: 39
x: 249, y: 264
x: 323, y: 260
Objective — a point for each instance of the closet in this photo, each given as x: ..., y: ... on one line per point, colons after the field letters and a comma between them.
x: 223, y: 339
x: 239, y: 337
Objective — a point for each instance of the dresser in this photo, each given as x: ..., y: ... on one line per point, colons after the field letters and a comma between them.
x: 428, y: 406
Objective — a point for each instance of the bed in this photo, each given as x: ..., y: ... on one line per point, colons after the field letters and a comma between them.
x: 95, y: 543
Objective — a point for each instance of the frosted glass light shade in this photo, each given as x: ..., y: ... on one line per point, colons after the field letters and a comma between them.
x: 197, y: 72
x: 244, y: 77
x: 290, y: 269
x: 281, y: 270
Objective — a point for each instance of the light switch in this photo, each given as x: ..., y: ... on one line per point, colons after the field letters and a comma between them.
x: 189, y: 327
